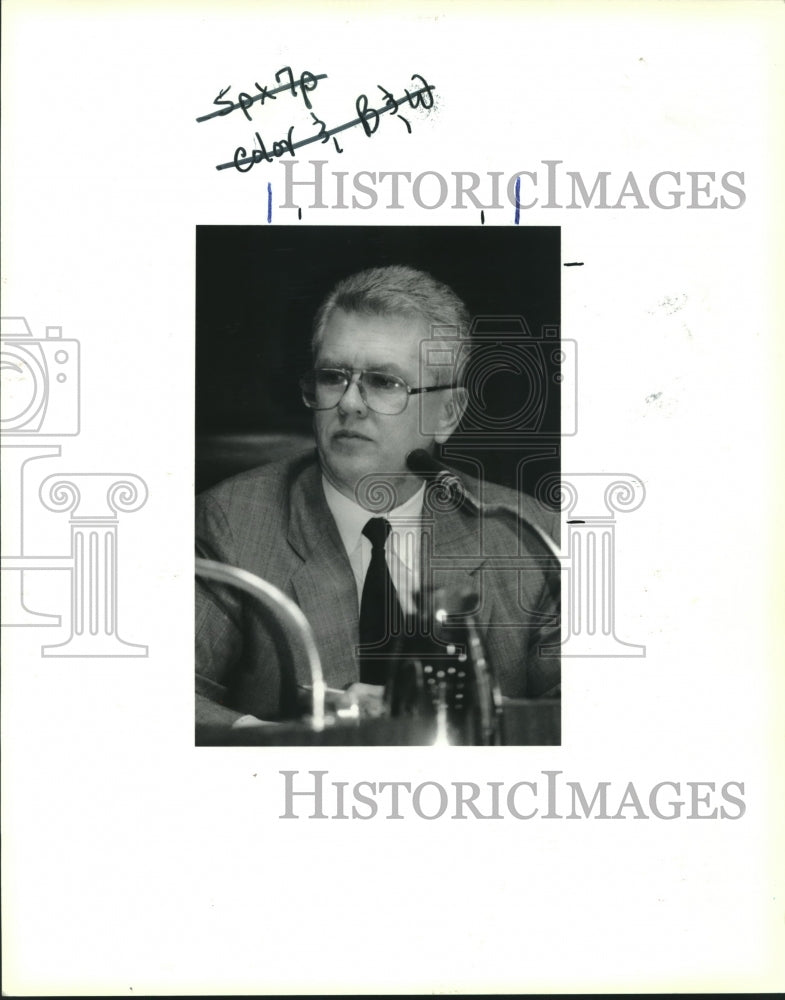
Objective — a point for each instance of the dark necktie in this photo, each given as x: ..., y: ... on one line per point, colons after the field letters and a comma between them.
x: 380, y: 612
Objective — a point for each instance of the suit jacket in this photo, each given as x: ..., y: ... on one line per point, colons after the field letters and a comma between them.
x: 274, y: 521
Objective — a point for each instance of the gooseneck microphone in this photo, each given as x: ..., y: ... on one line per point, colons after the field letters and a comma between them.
x: 422, y: 464
x: 426, y: 467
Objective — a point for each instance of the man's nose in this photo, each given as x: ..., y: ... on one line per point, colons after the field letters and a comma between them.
x: 352, y: 400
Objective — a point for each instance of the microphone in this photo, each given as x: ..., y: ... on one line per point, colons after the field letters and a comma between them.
x: 423, y: 464
x: 297, y: 629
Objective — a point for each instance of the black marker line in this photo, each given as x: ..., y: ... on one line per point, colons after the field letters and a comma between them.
x: 482, y: 218
x: 575, y: 263
x: 265, y: 93
x: 333, y: 131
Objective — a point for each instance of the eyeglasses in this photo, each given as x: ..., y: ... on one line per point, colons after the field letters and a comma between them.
x: 324, y: 388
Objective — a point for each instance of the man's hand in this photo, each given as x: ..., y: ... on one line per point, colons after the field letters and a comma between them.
x: 369, y: 698
x: 364, y: 701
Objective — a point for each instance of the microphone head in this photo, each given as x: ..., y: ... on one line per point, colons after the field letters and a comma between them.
x: 421, y: 463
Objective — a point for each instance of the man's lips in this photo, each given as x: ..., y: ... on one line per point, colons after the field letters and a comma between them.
x: 346, y: 435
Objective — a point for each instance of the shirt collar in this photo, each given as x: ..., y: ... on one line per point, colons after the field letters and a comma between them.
x: 351, y: 518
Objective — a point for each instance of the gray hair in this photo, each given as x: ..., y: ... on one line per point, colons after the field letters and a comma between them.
x: 396, y: 291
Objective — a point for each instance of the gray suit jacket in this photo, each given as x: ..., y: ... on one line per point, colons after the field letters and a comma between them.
x: 274, y: 521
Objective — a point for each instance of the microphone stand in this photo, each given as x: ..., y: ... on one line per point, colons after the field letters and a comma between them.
x: 288, y: 614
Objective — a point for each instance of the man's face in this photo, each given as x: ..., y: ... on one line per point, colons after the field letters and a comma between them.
x: 352, y: 440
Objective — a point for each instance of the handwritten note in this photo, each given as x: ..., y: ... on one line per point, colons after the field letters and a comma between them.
x: 266, y: 148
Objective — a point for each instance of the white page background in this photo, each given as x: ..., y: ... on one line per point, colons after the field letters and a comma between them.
x: 135, y: 863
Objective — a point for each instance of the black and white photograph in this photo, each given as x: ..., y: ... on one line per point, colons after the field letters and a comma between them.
x: 340, y: 381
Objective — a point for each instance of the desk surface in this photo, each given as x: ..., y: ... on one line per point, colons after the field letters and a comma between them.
x: 525, y: 723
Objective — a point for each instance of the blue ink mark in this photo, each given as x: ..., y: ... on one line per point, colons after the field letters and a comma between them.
x: 517, y: 200
x: 269, y: 202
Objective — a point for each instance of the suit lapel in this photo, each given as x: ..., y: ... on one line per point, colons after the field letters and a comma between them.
x: 454, y: 540
x: 323, y: 584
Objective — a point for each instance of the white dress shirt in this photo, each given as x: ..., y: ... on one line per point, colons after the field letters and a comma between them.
x: 402, y: 548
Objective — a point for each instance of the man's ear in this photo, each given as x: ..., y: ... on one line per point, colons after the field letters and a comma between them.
x: 452, y: 410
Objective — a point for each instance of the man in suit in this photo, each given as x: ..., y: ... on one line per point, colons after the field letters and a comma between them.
x: 379, y: 389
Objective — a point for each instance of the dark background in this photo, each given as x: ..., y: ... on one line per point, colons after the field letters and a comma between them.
x: 258, y: 287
